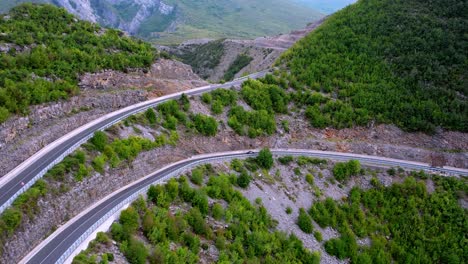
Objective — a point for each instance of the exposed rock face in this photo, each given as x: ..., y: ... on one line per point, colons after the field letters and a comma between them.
x: 165, y: 76
x: 126, y: 15
x: 102, y: 93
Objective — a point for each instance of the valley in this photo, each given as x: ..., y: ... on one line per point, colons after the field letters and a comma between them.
x: 341, y: 142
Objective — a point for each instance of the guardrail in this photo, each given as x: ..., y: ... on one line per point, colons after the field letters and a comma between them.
x: 132, y: 198
x: 67, y: 152
x: 27, y: 185
x: 203, y: 159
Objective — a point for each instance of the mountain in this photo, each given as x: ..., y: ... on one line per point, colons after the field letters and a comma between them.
x: 44, y: 49
x: 326, y: 6
x: 401, y: 62
x: 172, y: 21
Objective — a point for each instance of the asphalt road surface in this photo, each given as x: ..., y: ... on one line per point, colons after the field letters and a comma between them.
x: 55, y: 248
x: 13, y: 186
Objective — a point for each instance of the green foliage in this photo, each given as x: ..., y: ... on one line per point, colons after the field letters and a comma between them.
x: 129, y: 220
x: 289, y: 210
x: 219, y: 99
x: 27, y: 201
x: 254, y: 123
x: 318, y: 236
x: 10, y: 220
x: 135, y: 251
x: 310, y: 179
x: 226, y: 97
x: 172, y: 113
x: 176, y: 237
x: 204, y: 56
x: 265, y: 158
x: 99, y: 163
x: 185, y: 102
x: 267, y: 97
x: 411, y: 73
x: 151, y: 116
x: 197, y: 175
x: 400, y: 220
x: 303, y: 160
x: 343, y: 170
x: 285, y: 160
x: 244, y: 179
x: 195, y: 220
x: 207, y: 98
x: 99, y: 140
x: 238, y: 64
x: 217, y: 211
x: 304, y: 222
x: 58, y: 49
x: 205, y: 125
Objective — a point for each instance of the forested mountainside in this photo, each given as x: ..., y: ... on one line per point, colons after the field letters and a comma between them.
x: 401, y: 62
x: 44, y: 49
x: 172, y: 21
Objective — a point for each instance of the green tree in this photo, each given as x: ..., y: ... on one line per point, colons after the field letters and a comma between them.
x: 129, y: 220
x: 244, y: 179
x: 265, y: 158
x: 304, y: 222
x: 99, y: 140
x: 136, y: 252
x: 151, y: 116
x: 11, y: 219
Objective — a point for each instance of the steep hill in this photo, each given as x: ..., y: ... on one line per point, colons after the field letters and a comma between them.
x: 44, y: 50
x: 401, y: 62
x: 172, y: 21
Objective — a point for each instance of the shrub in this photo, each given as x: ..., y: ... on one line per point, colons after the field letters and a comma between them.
x: 117, y: 232
x: 310, y: 179
x: 238, y: 64
x: 151, y: 116
x: 244, y: 179
x: 217, y: 211
x: 99, y: 163
x: 129, y: 219
x: 99, y: 140
x: 343, y: 170
x: 285, y: 160
x: 207, y: 98
x: 217, y: 107
x: 304, y: 222
x: 196, y: 221
x: 289, y: 210
x: 205, y: 125
x: 11, y: 219
x: 265, y: 158
x: 197, y: 176
x: 191, y: 241
x: 318, y: 236
x: 136, y: 252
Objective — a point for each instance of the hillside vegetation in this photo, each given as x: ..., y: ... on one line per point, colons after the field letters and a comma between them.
x: 174, y: 21
x: 401, y: 62
x: 47, y: 49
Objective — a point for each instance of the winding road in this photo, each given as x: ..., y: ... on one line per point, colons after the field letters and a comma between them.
x: 63, y: 243
x: 27, y: 173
